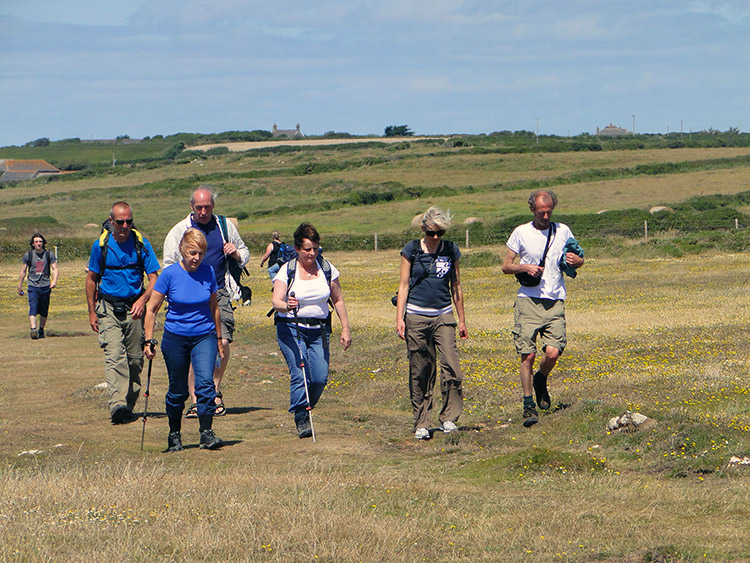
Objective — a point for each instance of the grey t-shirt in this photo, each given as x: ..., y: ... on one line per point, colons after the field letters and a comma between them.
x: 39, y: 267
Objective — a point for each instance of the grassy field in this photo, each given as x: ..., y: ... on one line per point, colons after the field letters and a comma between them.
x: 667, y: 338
x: 327, y: 187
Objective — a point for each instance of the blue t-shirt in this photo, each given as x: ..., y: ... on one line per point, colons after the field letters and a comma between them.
x: 122, y: 283
x: 189, y: 295
x: 215, y: 256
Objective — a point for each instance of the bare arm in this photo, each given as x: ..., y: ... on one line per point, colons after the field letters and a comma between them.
x: 138, y: 308
x: 152, y: 307
x: 280, y: 301
x: 337, y: 296
x: 269, y: 249
x: 510, y: 267
x: 20, y: 279
x: 403, y: 294
x: 458, y: 299
x: 90, y: 294
x: 216, y: 316
x: 53, y: 281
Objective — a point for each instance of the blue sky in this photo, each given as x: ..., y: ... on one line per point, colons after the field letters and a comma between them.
x: 98, y: 69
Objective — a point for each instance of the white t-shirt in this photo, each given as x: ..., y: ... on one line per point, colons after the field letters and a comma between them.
x: 312, y: 294
x: 528, y: 242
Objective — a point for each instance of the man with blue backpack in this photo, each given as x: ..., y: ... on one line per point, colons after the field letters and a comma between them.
x: 227, y: 255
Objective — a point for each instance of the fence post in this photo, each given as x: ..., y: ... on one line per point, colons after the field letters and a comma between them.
x: 736, y: 223
x: 467, y: 239
x: 376, y: 242
x: 645, y: 230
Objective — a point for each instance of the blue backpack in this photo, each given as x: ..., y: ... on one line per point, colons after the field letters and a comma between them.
x: 285, y: 253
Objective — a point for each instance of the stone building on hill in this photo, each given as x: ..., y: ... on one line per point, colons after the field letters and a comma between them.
x: 288, y: 133
x: 15, y: 169
x: 612, y: 131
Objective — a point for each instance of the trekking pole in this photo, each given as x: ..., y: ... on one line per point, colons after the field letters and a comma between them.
x: 148, y: 387
x: 304, y: 376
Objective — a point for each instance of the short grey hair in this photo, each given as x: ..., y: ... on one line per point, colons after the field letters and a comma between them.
x: 436, y: 216
x: 546, y: 194
x: 203, y: 188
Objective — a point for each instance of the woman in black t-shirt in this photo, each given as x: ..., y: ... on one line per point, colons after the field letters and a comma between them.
x: 429, y: 289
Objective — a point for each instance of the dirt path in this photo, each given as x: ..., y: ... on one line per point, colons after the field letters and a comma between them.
x: 240, y: 147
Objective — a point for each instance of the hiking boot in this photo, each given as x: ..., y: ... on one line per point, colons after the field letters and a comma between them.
x: 40, y: 333
x: 449, y: 426
x: 540, y: 389
x: 530, y: 416
x: 123, y: 415
x: 209, y: 440
x: 174, y: 442
x: 422, y: 434
x: 302, y: 421
x: 34, y: 334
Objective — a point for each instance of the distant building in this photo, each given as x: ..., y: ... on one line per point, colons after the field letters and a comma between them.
x: 288, y: 133
x: 612, y: 131
x: 13, y: 170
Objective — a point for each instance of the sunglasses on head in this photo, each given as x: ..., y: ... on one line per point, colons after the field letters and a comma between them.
x: 439, y: 233
x: 122, y: 222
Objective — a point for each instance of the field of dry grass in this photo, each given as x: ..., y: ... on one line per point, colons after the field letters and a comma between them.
x: 668, y: 338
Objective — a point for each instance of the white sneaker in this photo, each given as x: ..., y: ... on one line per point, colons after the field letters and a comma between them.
x: 449, y: 426
x: 422, y: 434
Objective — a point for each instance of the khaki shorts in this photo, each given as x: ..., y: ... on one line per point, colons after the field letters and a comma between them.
x: 227, y: 314
x: 538, y: 317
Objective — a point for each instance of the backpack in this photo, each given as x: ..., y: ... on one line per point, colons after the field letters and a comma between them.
x: 235, y: 270
x: 104, y: 247
x: 285, y: 253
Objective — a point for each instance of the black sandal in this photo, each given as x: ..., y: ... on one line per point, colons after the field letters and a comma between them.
x: 192, y: 412
x: 220, y: 408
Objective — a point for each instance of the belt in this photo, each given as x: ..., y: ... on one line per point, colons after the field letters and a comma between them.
x: 112, y: 300
x: 309, y: 321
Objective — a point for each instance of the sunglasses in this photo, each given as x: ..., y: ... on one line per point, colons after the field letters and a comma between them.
x: 439, y: 233
x: 122, y: 222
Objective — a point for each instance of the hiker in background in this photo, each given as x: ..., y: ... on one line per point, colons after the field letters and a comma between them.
x: 301, y: 292
x: 40, y: 264
x: 225, y: 252
x: 430, y: 279
x: 116, y: 300
x: 190, y: 336
x: 545, y: 250
x: 273, y: 255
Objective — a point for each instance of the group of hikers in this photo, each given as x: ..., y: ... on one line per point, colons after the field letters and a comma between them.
x: 201, y: 255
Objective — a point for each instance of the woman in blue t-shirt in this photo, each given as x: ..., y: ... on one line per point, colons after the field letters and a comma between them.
x: 430, y: 280
x: 189, y: 336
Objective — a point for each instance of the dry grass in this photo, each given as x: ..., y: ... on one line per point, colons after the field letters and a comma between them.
x: 668, y: 338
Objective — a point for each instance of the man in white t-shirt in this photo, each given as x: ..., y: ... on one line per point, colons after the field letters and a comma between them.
x: 539, y: 309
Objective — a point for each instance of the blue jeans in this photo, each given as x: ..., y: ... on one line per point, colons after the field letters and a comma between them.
x: 38, y: 301
x: 273, y: 270
x: 179, y: 352
x: 314, y: 345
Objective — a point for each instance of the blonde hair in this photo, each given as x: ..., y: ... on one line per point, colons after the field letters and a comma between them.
x: 193, y: 237
x: 436, y: 216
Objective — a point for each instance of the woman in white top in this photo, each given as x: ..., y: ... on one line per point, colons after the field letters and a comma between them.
x: 301, y: 291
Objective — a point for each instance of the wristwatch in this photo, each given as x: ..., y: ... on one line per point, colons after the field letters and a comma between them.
x: 154, y: 342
